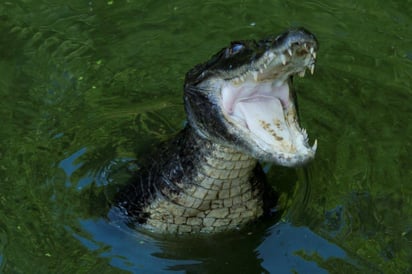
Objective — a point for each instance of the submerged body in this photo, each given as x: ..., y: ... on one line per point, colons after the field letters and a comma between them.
x: 241, y: 109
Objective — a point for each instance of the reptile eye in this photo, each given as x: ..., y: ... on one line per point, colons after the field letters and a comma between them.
x: 236, y: 48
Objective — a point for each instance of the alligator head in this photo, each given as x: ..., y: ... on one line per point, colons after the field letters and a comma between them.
x: 243, y: 97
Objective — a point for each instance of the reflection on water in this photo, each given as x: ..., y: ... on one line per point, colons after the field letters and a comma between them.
x: 86, y: 83
x: 286, y: 247
x: 282, y: 249
x: 128, y: 250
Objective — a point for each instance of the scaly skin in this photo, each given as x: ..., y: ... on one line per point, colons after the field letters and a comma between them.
x: 241, y: 108
x: 222, y: 189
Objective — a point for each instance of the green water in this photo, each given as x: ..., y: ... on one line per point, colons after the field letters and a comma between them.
x: 86, y: 85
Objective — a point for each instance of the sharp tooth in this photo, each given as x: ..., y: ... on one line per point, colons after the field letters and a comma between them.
x: 302, y: 73
x: 312, y: 69
x: 265, y: 66
x: 255, y: 75
x: 289, y: 52
x: 314, y: 55
x: 283, y: 59
x: 242, y: 78
x: 261, y: 70
x: 315, y: 145
x: 311, y: 50
x: 305, y: 133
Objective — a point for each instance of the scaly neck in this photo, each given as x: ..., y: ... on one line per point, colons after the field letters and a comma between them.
x: 213, y: 190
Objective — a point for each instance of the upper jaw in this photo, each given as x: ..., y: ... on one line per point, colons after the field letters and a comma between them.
x: 278, y: 64
x: 259, y: 103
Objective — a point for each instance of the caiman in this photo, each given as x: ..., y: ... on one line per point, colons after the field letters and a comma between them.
x: 241, y: 109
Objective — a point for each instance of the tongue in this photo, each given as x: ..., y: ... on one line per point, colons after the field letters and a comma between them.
x: 265, y: 119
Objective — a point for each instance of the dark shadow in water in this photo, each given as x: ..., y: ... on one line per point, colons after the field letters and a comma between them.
x: 281, y: 250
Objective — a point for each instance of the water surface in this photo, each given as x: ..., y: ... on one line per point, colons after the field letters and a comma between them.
x: 89, y: 85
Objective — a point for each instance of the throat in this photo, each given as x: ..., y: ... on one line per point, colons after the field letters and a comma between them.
x: 218, y: 191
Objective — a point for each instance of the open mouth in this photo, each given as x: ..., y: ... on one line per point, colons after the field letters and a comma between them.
x: 260, y: 102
